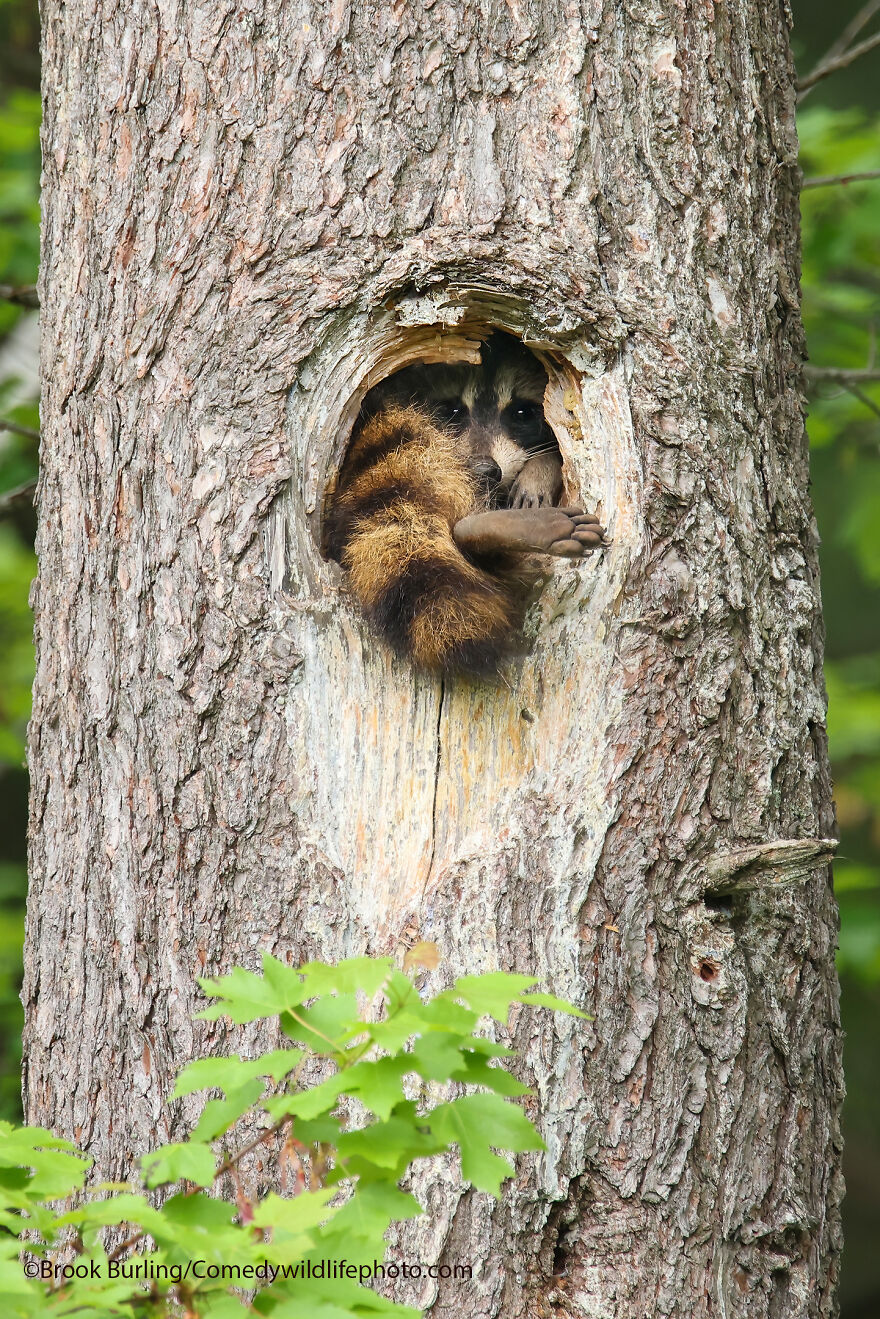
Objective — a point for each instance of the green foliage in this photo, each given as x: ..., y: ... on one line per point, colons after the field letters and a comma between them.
x: 19, y: 194
x: 841, y: 259
x: 347, y: 1140
x: 17, y: 568
x: 19, y: 44
x: 19, y: 258
x: 841, y: 303
x: 13, y: 884
x: 19, y: 246
x: 19, y: 252
x: 854, y: 734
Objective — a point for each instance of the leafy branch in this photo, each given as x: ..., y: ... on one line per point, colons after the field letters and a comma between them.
x: 379, y: 1046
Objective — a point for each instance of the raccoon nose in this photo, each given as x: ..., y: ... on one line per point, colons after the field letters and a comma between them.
x: 487, y: 470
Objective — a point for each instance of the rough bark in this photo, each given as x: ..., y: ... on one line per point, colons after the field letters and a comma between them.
x: 253, y: 212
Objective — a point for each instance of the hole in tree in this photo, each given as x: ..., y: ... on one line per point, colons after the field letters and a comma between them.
x: 445, y: 511
x: 491, y: 396
x: 720, y: 902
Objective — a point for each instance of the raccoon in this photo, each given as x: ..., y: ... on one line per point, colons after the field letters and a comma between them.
x: 449, y: 487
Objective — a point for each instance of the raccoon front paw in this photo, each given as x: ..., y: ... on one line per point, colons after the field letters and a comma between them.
x: 539, y: 484
x: 528, y: 498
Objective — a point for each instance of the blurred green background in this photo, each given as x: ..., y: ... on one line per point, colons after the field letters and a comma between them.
x: 840, y: 134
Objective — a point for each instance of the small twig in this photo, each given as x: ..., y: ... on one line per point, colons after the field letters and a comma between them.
x: 839, y: 376
x: 823, y: 180
x: 14, y: 427
x: 853, y: 28
x: 126, y: 1245
x: 840, y: 62
x: 10, y: 498
x: 860, y: 20
x: 849, y: 33
x: 863, y: 398
x: 24, y: 295
x: 228, y: 1165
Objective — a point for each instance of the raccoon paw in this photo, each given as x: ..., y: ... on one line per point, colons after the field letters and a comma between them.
x: 539, y: 484
x: 528, y: 498
x: 565, y: 532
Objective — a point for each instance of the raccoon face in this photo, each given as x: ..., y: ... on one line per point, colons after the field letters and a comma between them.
x: 496, y: 407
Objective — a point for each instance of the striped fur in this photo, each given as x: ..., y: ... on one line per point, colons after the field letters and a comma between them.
x: 404, y: 485
x: 411, y: 474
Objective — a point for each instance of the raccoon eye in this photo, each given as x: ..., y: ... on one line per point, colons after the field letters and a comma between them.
x: 451, y: 411
x: 525, y: 411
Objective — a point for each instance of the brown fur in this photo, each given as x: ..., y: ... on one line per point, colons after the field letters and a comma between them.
x: 404, y: 486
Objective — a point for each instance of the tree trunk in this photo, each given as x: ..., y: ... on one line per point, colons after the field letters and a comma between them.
x: 252, y: 213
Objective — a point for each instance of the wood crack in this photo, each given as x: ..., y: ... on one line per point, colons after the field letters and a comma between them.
x: 436, y: 784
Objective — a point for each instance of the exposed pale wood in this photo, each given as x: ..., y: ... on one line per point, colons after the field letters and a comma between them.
x: 252, y: 213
